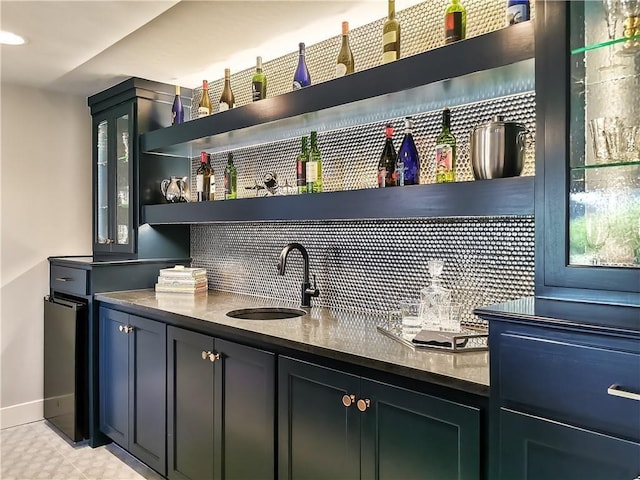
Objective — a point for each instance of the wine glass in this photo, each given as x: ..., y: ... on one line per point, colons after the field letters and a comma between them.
x: 597, y: 231
x: 612, y: 12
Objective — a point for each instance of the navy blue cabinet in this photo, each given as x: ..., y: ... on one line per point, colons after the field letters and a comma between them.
x: 132, y: 385
x: 333, y: 424
x: 221, y: 408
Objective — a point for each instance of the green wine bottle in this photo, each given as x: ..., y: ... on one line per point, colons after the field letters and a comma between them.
x: 259, y: 82
x: 446, y: 151
x: 455, y: 22
x: 314, y: 166
x: 301, y: 166
x: 230, y: 179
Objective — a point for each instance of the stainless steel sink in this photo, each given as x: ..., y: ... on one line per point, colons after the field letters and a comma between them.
x: 266, y: 313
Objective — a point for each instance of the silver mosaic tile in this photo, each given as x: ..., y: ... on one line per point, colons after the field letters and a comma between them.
x: 350, y: 155
x: 367, y: 266
x: 422, y: 29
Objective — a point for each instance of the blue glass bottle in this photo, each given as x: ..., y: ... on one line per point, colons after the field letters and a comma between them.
x: 517, y: 11
x: 177, y: 110
x: 301, y: 78
x: 408, y: 163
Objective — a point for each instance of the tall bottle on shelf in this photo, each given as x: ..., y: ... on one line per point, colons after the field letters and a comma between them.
x: 203, y: 179
x: 387, y: 162
x: 204, y: 106
x: 301, y: 77
x: 230, y: 179
x: 408, y: 164
x: 314, y: 166
x: 446, y: 151
x: 455, y: 22
x: 259, y: 82
x: 227, y: 100
x: 301, y: 166
x: 177, y: 110
x: 518, y: 11
x: 345, y: 64
x: 391, y: 35
x: 212, y: 180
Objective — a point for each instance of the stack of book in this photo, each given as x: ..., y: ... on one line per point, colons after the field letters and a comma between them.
x: 180, y: 279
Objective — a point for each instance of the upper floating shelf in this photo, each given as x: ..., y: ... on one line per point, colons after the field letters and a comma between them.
x: 503, y: 47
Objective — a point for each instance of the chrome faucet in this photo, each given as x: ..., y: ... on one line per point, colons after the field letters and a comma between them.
x: 307, y: 291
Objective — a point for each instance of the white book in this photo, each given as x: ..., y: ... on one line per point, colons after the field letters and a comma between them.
x: 180, y: 271
x: 195, y: 281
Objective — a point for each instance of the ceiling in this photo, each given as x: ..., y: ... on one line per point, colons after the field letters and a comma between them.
x: 84, y: 47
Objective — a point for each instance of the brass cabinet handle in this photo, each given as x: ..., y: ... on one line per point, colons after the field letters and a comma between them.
x: 363, y: 404
x: 122, y: 328
x: 347, y: 400
x: 617, y: 391
x: 211, y: 356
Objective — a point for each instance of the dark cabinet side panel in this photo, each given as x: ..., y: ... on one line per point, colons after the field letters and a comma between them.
x: 532, y: 448
x: 244, y: 412
x: 114, y: 376
x: 147, y: 373
x: 410, y: 435
x: 318, y: 437
x: 190, y: 388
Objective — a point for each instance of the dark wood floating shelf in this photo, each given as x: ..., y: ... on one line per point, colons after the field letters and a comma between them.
x: 498, y: 197
x: 492, y: 50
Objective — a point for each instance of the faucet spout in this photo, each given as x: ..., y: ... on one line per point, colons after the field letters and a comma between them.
x: 307, y: 291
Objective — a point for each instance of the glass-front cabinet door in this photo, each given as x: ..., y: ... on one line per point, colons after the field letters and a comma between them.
x: 589, y: 76
x: 113, y: 172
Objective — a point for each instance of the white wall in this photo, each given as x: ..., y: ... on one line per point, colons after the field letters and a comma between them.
x: 45, y: 209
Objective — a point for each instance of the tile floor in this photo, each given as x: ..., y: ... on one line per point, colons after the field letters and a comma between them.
x: 36, y: 451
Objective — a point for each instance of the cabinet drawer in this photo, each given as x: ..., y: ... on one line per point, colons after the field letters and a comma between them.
x: 69, y: 280
x: 569, y: 382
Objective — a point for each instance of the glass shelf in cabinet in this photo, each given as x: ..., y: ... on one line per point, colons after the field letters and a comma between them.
x: 606, y: 165
x: 604, y: 44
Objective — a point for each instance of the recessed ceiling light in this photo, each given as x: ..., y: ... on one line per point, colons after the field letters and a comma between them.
x: 8, y: 38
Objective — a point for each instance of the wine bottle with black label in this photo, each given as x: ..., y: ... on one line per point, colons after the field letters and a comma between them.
x: 259, y: 82
x: 387, y: 162
x: 203, y: 179
x: 455, y: 22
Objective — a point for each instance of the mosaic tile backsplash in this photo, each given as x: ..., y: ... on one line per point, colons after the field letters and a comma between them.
x: 367, y: 266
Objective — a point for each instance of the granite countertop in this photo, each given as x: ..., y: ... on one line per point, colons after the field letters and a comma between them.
x: 339, y: 335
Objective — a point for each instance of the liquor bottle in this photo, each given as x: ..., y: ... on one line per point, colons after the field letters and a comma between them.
x: 259, y: 82
x: 230, y: 179
x: 204, y: 107
x: 301, y: 78
x: 227, y: 100
x: 203, y: 179
x: 301, y: 167
x: 314, y: 166
x: 177, y: 110
x: 408, y: 163
x: 446, y: 151
x: 387, y: 163
x: 345, y: 64
x: 391, y: 36
x: 212, y: 181
x: 517, y: 11
x: 455, y: 22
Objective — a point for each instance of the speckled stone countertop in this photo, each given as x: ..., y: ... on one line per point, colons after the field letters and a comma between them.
x: 345, y: 336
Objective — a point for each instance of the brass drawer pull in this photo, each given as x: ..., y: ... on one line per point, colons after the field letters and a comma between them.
x: 348, y: 400
x: 616, y: 391
x: 363, y: 404
x: 211, y: 356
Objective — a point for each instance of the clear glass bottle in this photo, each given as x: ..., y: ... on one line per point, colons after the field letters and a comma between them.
x: 391, y: 35
x: 446, y: 151
x: 435, y: 297
x: 455, y: 22
x: 230, y: 179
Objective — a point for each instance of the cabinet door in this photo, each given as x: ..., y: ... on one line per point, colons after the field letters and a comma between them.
x: 190, y: 388
x: 113, y: 135
x: 244, y: 412
x: 410, y: 435
x: 318, y: 436
x: 147, y: 392
x: 114, y: 376
x: 532, y: 448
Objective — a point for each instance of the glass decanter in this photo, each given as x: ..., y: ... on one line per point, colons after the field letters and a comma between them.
x: 435, y: 297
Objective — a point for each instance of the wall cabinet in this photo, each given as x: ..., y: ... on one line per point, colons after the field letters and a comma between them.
x: 132, y: 369
x: 221, y: 408
x: 335, y: 425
